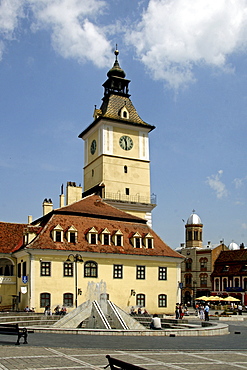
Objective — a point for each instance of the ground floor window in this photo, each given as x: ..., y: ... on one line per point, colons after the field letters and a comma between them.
x: 45, y: 299
x: 68, y: 299
x: 140, y: 300
x: 162, y: 300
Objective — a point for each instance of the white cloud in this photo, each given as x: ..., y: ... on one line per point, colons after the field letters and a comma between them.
x: 217, y: 185
x: 72, y: 24
x: 10, y: 11
x: 73, y: 34
x: 174, y: 36
x: 239, y: 182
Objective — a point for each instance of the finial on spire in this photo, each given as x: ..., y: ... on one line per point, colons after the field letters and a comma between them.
x: 116, y: 52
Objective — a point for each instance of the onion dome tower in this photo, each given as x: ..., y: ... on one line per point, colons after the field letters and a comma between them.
x: 193, y: 231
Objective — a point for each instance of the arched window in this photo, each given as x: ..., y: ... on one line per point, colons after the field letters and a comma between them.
x: 140, y: 300
x: 45, y: 299
x: 188, y: 264
x: 91, y: 269
x: 245, y: 284
x: 6, y: 267
x: 188, y: 279
x: 68, y: 299
x: 236, y: 283
x: 189, y: 235
x: 203, y: 263
x: 224, y: 284
x: 217, y: 285
x: 162, y: 300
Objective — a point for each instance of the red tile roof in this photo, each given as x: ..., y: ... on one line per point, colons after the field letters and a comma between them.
x: 93, y: 206
x: 10, y: 235
x: 235, y: 260
x: 93, y: 212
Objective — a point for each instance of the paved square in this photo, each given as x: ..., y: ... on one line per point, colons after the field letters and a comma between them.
x: 33, y: 358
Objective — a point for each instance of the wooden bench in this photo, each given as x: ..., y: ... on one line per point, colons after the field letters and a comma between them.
x: 13, y: 329
x: 116, y: 364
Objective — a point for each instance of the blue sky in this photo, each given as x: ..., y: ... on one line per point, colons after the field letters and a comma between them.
x: 186, y: 60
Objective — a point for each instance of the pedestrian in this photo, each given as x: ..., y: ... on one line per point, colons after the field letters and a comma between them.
x: 206, y: 312
x: 240, y: 309
x: 181, y: 314
x: 201, y: 312
x: 177, y: 311
x: 46, y: 310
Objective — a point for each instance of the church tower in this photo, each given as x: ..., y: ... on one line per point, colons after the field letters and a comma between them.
x: 193, y: 231
x: 116, y: 152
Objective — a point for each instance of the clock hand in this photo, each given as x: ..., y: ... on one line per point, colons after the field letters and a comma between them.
x: 126, y: 144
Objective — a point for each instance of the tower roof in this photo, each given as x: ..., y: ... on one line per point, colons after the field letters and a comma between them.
x: 194, y: 219
x: 116, y: 70
x: 117, y: 97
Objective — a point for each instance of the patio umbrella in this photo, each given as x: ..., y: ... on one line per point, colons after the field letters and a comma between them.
x: 230, y: 299
x: 214, y: 298
x: 203, y: 298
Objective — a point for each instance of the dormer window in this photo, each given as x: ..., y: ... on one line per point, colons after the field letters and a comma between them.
x: 118, y: 238
x: 225, y: 268
x: 137, y: 240
x: 124, y: 113
x: 72, y: 235
x: 57, y: 234
x: 148, y: 241
x: 92, y: 236
x: 105, y: 237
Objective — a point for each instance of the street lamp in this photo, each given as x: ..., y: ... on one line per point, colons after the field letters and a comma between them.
x: 75, y: 258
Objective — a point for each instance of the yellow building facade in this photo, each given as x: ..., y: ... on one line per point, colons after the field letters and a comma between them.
x: 91, y: 248
x: 101, y: 241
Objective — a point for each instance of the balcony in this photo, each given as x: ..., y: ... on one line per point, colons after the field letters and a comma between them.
x: 130, y: 198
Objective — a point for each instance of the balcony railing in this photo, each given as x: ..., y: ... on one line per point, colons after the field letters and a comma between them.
x: 131, y: 198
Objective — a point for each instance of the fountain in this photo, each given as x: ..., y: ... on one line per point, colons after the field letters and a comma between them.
x: 98, y: 312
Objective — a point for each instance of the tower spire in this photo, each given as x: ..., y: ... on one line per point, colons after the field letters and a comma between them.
x: 116, y: 82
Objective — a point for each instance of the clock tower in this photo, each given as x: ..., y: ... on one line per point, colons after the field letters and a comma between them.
x: 116, y: 152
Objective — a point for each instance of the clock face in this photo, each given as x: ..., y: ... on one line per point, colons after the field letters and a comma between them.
x: 93, y: 147
x: 126, y: 142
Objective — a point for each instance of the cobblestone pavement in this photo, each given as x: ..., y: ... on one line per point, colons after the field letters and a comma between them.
x: 64, y: 351
x: 33, y: 358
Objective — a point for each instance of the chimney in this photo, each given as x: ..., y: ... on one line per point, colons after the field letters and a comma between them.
x: 241, y: 246
x: 47, y: 206
x: 73, y: 192
x: 61, y: 197
x: 29, y: 219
